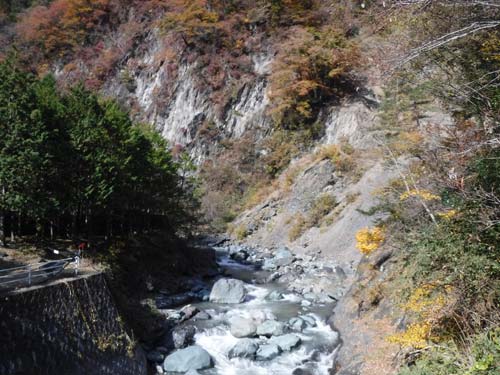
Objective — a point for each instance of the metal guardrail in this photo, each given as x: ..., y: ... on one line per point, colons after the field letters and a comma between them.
x: 36, y: 272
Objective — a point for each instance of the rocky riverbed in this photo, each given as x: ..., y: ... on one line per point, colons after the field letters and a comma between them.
x: 266, y: 311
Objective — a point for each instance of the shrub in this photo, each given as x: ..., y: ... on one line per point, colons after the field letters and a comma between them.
x: 240, y: 232
x: 320, y: 208
x: 281, y: 147
x: 343, y: 161
x: 369, y: 240
x: 298, y: 228
x: 481, y: 358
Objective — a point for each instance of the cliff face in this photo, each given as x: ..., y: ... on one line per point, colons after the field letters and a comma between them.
x: 181, y: 109
x: 68, y: 328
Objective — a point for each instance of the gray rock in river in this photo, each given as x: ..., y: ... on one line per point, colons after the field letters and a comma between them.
x: 271, y: 328
x: 228, y: 291
x: 202, y: 315
x: 191, y: 358
x: 267, y: 352
x: 297, y: 324
x: 240, y: 256
x: 183, y: 336
x: 310, y: 320
x: 283, y: 253
x: 283, y: 257
x: 274, y: 296
x: 286, y: 342
x: 242, y: 327
x: 188, y: 312
x: 245, y: 348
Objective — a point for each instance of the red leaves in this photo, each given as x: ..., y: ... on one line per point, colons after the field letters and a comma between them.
x: 63, y: 25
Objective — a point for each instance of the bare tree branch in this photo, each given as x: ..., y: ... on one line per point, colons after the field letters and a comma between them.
x: 448, y: 38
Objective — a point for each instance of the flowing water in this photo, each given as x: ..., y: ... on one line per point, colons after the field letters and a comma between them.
x: 316, y: 353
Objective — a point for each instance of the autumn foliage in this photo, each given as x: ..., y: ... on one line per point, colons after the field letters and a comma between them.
x: 312, y: 66
x: 59, y: 28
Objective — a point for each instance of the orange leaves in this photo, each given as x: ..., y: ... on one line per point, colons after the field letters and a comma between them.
x: 311, y: 66
x: 190, y: 18
x: 62, y: 25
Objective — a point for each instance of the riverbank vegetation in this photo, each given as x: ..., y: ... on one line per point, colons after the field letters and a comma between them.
x: 444, y: 224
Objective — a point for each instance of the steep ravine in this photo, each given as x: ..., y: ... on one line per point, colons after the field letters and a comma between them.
x: 186, y: 115
x: 319, y: 278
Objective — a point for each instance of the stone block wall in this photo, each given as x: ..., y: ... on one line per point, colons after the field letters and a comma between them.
x: 68, y: 328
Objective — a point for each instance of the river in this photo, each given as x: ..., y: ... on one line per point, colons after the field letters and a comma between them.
x: 314, y: 341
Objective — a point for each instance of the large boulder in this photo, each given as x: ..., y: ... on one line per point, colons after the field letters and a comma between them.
x: 245, y: 348
x: 297, y: 324
x: 242, y: 327
x: 267, y: 352
x: 286, y: 342
x: 191, y: 358
x: 228, y: 291
x: 271, y: 328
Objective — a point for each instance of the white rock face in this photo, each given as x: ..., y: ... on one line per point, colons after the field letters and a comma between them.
x: 187, y: 106
x: 249, y: 111
x: 348, y: 122
x: 179, y: 119
x: 262, y: 63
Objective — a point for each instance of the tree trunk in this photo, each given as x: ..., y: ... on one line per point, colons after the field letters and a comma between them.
x: 12, y: 231
x: 2, y: 228
x: 51, y: 230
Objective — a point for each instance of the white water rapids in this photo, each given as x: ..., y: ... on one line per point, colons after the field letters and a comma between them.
x: 317, y: 350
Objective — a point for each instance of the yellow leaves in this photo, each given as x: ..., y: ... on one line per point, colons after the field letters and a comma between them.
x: 331, y: 152
x: 340, y: 156
x: 447, y: 215
x: 304, y: 87
x: 368, y: 240
x: 428, y: 305
x: 491, y: 48
x: 426, y: 195
x: 336, y: 71
x: 407, y: 142
x: 304, y: 108
x: 416, y: 336
x: 424, y: 303
x: 192, y: 19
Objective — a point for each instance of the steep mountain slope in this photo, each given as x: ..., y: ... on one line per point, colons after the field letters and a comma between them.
x: 364, y: 132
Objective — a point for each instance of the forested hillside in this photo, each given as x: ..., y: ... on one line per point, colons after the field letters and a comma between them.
x: 361, y: 131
